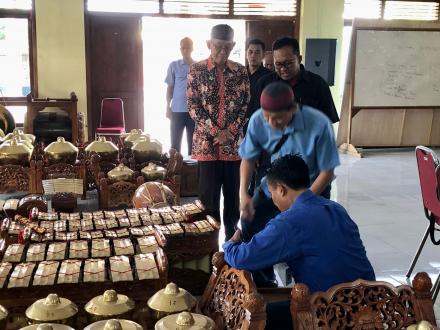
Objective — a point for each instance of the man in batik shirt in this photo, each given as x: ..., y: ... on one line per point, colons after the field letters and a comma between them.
x: 218, y: 94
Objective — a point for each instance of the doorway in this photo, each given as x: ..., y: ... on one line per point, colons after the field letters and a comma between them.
x: 161, y: 45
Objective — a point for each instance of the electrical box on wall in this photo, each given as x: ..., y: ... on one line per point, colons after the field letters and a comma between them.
x: 320, y: 58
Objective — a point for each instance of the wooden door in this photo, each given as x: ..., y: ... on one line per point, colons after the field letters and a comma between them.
x: 269, y: 30
x: 114, y: 66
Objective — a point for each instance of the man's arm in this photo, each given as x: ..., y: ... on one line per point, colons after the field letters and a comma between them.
x: 266, y: 248
x: 327, y: 158
x: 169, y: 97
x: 326, y: 103
x: 254, y: 103
x: 247, y: 167
x: 236, y: 126
x: 322, y: 181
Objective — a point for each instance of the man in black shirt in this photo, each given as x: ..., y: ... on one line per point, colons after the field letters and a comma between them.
x: 255, y: 69
x: 309, y: 88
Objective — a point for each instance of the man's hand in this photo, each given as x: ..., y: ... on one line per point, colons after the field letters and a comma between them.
x: 246, y: 207
x: 168, y: 112
x: 222, y: 137
x: 236, y: 237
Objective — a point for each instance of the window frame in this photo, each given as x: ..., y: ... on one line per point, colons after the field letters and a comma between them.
x: 160, y: 13
x: 349, y: 22
x: 28, y: 14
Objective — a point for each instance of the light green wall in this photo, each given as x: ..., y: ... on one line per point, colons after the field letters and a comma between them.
x: 323, y: 19
x: 61, y: 64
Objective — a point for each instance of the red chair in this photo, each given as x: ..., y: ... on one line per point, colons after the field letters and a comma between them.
x: 429, y: 174
x: 112, y: 117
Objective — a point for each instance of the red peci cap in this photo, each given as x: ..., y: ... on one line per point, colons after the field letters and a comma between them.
x: 277, y: 96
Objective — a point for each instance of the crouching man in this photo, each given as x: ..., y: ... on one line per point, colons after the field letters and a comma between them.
x: 313, y: 235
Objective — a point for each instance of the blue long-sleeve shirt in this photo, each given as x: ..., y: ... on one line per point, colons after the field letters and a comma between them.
x: 315, y: 237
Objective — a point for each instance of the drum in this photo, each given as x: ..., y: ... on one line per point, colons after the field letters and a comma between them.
x: 153, y: 194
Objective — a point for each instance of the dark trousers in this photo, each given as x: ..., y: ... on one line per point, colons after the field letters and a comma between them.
x: 278, y: 316
x: 215, y: 176
x: 265, y: 210
x: 179, y: 121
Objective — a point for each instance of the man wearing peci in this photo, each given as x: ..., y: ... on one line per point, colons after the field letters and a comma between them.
x: 218, y: 95
x: 282, y: 127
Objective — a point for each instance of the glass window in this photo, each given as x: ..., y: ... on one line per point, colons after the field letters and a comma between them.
x: 16, y: 4
x: 427, y: 11
x: 265, y: 7
x: 14, y: 57
x: 18, y: 112
x: 196, y: 7
x: 124, y: 6
x: 362, y: 9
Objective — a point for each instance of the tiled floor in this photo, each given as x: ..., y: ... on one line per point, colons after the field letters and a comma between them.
x: 381, y: 192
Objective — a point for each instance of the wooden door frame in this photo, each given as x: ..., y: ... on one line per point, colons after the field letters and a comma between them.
x: 87, y: 15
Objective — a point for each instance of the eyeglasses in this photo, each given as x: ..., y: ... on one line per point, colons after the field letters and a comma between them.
x: 227, y: 47
x: 285, y: 64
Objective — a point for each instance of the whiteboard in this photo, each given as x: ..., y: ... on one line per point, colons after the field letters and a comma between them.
x: 397, y: 68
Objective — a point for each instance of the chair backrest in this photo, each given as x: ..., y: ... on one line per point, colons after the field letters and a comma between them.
x: 429, y: 173
x: 231, y: 298
x: 363, y: 305
x: 112, y: 113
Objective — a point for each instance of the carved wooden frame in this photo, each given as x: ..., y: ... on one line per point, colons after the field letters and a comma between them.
x: 34, y: 106
x: 363, y: 305
x: 19, y: 178
x: 231, y: 298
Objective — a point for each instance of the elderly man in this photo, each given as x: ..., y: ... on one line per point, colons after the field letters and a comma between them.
x: 176, y: 109
x: 281, y: 127
x: 218, y: 95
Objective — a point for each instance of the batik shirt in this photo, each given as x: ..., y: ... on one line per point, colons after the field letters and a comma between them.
x: 217, y: 100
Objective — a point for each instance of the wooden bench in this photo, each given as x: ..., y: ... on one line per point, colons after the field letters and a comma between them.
x: 234, y: 302
x: 231, y: 298
x: 363, y: 305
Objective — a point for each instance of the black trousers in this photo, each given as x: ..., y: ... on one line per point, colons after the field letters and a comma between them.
x: 179, y: 121
x: 265, y: 210
x: 215, y: 176
x: 278, y: 316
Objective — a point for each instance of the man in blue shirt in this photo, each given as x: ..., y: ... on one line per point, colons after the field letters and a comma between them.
x: 313, y: 235
x: 279, y: 128
x: 177, y: 110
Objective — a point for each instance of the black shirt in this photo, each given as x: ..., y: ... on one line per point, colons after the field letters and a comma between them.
x: 253, y: 79
x: 310, y: 89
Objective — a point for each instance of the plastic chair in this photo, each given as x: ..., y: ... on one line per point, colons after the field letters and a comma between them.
x: 112, y: 117
x: 429, y: 174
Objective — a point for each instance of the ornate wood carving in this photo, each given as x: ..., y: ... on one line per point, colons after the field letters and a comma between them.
x: 60, y: 170
x: 113, y: 195
x: 21, y: 178
x: 232, y: 300
x: 363, y: 305
x: 14, y: 178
